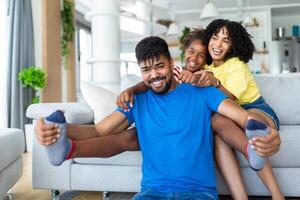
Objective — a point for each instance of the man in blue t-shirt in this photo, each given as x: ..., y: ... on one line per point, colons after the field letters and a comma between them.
x: 173, y: 123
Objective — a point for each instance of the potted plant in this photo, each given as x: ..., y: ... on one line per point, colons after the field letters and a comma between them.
x: 35, y: 79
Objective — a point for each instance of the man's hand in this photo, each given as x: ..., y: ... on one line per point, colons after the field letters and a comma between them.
x: 268, y: 145
x: 46, y: 133
x: 125, y: 96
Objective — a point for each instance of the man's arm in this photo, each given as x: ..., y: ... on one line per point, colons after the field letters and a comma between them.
x: 264, y: 146
x: 112, y: 124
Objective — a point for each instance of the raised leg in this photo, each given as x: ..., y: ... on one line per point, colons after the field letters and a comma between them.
x: 106, y: 146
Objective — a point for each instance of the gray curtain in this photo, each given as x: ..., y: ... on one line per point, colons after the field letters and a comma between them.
x: 20, y: 55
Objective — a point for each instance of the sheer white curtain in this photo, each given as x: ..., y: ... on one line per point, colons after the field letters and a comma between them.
x: 3, y: 63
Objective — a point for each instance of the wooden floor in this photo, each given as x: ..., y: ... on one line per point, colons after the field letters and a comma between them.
x: 23, y: 189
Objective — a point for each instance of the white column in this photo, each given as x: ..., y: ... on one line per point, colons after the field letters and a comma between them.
x: 106, y: 43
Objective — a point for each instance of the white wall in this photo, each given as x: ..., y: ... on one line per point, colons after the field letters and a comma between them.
x: 37, y: 29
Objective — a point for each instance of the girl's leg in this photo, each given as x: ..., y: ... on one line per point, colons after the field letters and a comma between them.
x: 225, y: 157
x: 266, y: 174
x: 229, y: 168
x: 106, y: 146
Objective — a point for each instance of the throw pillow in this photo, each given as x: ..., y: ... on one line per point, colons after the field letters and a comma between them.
x: 100, y: 100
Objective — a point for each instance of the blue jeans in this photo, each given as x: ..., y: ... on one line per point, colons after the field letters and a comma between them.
x: 260, y: 104
x: 150, y: 194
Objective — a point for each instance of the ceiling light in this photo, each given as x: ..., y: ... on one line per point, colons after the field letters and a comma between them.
x: 173, y: 29
x: 209, y: 10
x: 248, y: 20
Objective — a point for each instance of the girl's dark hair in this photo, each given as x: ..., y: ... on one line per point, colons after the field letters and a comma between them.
x: 151, y: 48
x: 195, y: 34
x: 242, y: 45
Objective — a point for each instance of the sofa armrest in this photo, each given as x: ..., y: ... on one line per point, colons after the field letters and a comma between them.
x: 76, y: 113
x: 44, y: 175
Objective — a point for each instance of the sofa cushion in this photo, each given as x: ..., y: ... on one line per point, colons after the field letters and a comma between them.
x: 288, y: 155
x: 129, y: 158
x: 12, y: 145
x: 129, y: 80
x: 100, y: 100
x: 281, y: 91
x: 103, y: 101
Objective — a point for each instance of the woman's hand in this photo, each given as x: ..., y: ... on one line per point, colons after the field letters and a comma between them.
x: 186, y: 76
x: 205, y: 79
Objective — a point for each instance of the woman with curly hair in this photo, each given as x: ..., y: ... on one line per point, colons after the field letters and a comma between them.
x: 230, y: 48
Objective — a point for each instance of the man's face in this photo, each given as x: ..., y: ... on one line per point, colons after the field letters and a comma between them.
x: 157, y: 74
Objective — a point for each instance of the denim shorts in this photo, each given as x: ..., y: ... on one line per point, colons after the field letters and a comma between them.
x: 261, y: 105
x: 150, y: 194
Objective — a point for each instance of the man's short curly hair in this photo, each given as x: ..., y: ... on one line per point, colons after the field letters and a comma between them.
x: 242, y: 45
x: 151, y: 48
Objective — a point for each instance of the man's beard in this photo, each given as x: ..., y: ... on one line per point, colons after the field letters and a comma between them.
x: 165, y: 88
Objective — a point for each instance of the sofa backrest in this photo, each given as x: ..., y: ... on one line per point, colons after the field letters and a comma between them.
x: 282, y: 93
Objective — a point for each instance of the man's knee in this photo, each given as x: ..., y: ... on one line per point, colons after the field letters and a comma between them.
x: 132, y: 140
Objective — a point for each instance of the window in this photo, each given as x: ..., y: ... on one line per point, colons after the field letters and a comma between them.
x: 3, y: 67
x: 83, y: 53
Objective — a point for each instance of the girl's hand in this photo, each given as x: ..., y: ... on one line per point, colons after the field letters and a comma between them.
x: 186, y: 76
x: 125, y: 96
x: 206, y: 79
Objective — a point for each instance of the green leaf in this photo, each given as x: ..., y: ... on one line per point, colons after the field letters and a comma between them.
x: 32, y: 77
x: 68, y: 30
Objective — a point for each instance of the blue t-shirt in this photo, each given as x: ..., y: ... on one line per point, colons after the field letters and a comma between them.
x: 175, y: 137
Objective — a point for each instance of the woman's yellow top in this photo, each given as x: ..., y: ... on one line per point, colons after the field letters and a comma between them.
x: 236, y: 77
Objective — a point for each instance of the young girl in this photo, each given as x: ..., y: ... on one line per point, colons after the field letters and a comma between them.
x: 230, y: 48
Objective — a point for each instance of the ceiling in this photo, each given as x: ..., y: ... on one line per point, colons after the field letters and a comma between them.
x: 187, y: 10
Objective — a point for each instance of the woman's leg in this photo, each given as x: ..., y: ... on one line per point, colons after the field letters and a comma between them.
x: 266, y: 174
x: 225, y: 157
x: 235, y: 137
x: 106, y: 146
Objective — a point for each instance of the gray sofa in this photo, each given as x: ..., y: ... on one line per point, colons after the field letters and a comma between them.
x: 123, y: 173
x: 12, y: 144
